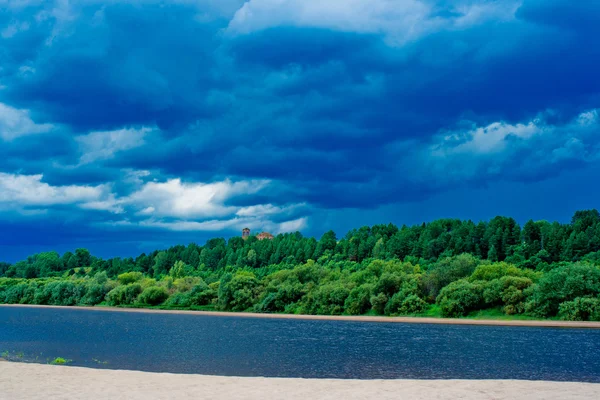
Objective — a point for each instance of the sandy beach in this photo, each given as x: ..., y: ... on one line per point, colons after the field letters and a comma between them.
x: 410, y: 320
x: 35, y: 381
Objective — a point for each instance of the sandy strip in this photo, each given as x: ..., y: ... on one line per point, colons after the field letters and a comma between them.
x: 36, y: 381
x: 410, y: 320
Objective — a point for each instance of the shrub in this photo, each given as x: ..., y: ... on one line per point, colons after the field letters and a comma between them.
x: 22, y: 293
x: 153, y: 295
x: 283, y: 288
x: 460, y: 297
x: 359, y: 300
x: 202, y: 294
x: 378, y: 302
x: 508, y: 291
x: 60, y: 293
x: 129, y: 277
x: 238, y: 292
x: 122, y: 295
x: 94, y: 295
x: 448, y: 270
x: 402, y: 304
x: 563, y: 284
x: 580, y: 309
x: 101, y: 278
x: 488, y: 272
x: 181, y: 300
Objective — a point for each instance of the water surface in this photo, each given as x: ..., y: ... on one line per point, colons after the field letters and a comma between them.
x: 240, y: 346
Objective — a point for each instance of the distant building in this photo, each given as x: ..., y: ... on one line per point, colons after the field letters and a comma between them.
x: 245, y: 233
x: 265, y: 235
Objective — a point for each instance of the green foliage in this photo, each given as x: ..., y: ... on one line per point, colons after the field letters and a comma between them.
x: 123, y: 295
x: 95, y: 294
x: 446, y: 267
x: 446, y: 270
x: 129, y: 277
x: 563, y: 284
x: 327, y: 299
x: 60, y: 361
x: 202, y: 294
x: 460, y: 297
x: 580, y: 309
x: 153, y: 295
x: 179, y: 270
x: 488, y: 272
x: 359, y: 300
x: 238, y: 292
x: 178, y: 300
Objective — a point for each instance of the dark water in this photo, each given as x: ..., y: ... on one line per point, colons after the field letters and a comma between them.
x: 295, y: 348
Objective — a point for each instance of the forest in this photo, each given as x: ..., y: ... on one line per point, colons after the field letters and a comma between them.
x: 448, y: 268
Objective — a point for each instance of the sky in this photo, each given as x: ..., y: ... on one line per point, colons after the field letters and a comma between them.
x: 127, y: 127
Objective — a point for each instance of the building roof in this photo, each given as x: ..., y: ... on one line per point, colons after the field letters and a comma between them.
x: 264, y: 235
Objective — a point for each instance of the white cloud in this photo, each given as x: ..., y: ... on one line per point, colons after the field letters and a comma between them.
x: 175, y: 198
x: 502, y: 149
x: 15, y: 123
x: 265, y: 209
x: 399, y: 21
x: 171, y: 205
x: 193, y: 206
x: 291, y: 226
x: 489, y: 139
x: 29, y: 191
x: 215, y: 225
x: 103, y: 145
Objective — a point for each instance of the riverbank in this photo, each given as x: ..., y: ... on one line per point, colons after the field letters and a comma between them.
x: 411, y: 320
x: 36, y: 381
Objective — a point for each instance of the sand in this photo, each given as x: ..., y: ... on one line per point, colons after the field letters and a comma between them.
x: 410, y: 320
x: 35, y: 381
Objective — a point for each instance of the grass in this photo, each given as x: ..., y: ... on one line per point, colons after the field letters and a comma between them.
x: 60, y: 361
x: 434, y: 311
x: 498, y: 314
x: 99, y: 362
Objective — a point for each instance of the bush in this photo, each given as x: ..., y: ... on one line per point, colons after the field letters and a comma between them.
x: 359, y: 300
x: 122, y: 295
x: 580, y: 309
x: 460, y: 297
x: 448, y: 270
x: 181, y: 300
x: 508, y: 291
x: 238, y: 292
x: 60, y: 293
x: 378, y: 302
x: 400, y: 304
x: 94, y: 295
x: 153, y: 295
x: 488, y: 272
x: 22, y: 293
x: 327, y: 299
x: 129, y: 277
x: 283, y: 288
x: 563, y: 284
x: 202, y: 294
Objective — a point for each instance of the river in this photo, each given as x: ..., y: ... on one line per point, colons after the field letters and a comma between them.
x: 238, y: 346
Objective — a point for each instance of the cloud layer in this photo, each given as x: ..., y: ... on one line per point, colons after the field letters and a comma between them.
x: 174, y: 121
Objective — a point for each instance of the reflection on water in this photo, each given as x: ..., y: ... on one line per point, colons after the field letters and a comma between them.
x: 295, y: 348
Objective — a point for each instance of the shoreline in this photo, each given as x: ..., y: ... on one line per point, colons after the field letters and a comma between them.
x: 349, y: 318
x: 39, y: 381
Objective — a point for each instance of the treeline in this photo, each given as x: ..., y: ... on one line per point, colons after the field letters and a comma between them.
x: 447, y: 267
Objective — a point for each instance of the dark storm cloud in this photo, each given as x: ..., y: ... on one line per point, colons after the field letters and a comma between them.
x: 133, y: 103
